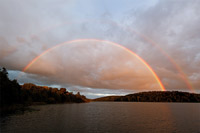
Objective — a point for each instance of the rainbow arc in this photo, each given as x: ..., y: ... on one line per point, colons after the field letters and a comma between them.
x: 103, y: 41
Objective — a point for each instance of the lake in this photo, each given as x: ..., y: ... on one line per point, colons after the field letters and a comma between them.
x: 107, y: 117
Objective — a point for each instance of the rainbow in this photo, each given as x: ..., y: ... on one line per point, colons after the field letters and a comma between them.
x: 150, y: 41
x: 182, y: 74
x: 104, y: 41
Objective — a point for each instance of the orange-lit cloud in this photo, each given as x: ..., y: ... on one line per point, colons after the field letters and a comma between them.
x: 95, y: 64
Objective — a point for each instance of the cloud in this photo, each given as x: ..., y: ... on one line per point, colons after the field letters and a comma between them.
x: 30, y: 28
x: 173, y: 25
x: 6, y: 49
x: 94, y: 64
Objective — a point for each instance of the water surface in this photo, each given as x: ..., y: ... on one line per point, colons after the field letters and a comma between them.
x: 107, y: 117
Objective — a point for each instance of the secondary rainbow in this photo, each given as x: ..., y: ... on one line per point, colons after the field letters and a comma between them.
x: 104, y: 41
x: 147, y: 39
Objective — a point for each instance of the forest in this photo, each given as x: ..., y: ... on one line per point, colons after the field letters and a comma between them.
x: 155, y: 96
x: 14, y: 96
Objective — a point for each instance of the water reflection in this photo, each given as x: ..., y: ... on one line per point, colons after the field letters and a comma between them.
x: 108, y: 117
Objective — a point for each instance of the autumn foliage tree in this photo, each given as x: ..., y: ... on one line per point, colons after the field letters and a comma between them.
x: 13, y: 93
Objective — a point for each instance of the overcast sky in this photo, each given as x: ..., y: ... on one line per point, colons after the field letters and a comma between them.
x: 165, y: 33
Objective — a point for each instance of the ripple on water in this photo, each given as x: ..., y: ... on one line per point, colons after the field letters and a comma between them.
x: 103, y: 117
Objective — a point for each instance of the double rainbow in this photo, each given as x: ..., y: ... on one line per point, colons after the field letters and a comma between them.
x: 147, y: 39
x: 103, y: 41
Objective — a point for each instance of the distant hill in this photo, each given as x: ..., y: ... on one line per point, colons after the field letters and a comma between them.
x: 154, y: 96
x: 107, y: 98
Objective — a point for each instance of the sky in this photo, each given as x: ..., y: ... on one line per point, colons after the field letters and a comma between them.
x: 164, y: 34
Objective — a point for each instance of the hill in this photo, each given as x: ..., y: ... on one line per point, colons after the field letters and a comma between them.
x: 154, y: 96
x: 107, y: 98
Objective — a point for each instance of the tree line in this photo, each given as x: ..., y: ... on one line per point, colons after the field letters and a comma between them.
x: 161, y: 96
x: 155, y: 96
x: 11, y: 93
